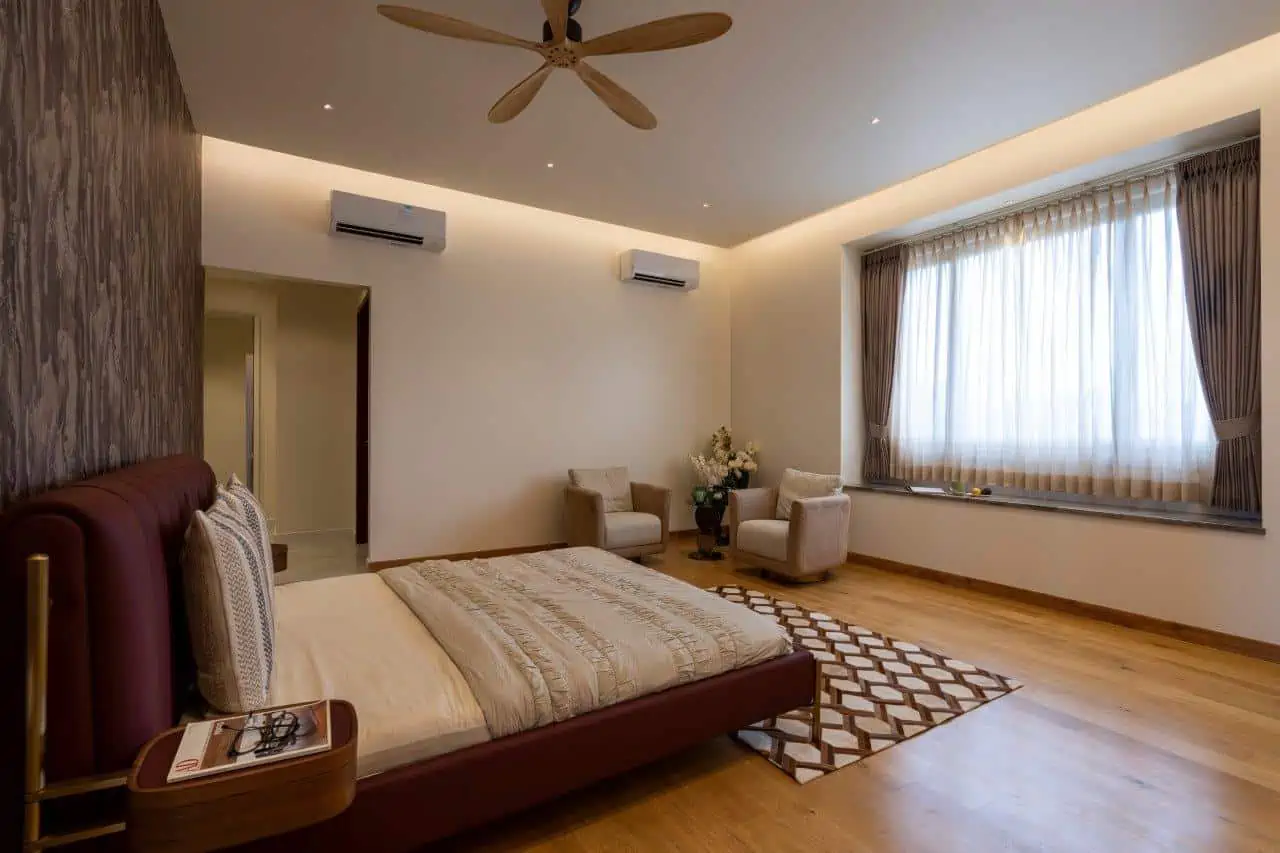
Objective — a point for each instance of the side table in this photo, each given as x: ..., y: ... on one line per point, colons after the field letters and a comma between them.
x: 226, y: 809
x: 279, y: 557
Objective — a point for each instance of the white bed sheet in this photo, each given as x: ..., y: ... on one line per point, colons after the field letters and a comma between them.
x: 352, y: 638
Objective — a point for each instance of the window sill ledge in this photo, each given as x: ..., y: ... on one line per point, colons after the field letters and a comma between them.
x: 1179, y: 519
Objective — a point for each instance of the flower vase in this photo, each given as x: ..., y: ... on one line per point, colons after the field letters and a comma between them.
x: 709, y: 518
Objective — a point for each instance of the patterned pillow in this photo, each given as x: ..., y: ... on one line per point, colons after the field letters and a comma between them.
x: 246, y: 503
x: 230, y: 607
x: 614, y: 484
x: 797, y: 485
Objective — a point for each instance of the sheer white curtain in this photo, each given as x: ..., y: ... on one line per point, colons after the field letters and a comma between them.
x: 1050, y: 351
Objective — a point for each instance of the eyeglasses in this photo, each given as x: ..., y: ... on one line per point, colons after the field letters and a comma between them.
x: 279, y: 731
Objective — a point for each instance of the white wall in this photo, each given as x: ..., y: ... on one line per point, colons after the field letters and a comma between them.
x: 788, y: 391
x: 498, y: 364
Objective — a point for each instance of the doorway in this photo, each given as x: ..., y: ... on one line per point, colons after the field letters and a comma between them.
x: 297, y: 423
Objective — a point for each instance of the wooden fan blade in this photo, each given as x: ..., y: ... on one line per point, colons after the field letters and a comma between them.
x: 558, y: 17
x: 521, y: 95
x: 626, y: 105
x: 442, y: 25
x: 664, y: 34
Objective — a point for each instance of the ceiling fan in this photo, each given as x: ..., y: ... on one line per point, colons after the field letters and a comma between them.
x: 562, y: 47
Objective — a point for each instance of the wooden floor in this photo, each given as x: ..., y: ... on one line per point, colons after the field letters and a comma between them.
x: 1120, y: 741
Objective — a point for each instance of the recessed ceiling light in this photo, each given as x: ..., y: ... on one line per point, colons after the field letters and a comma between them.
x: 875, y: 120
x: 706, y: 204
x: 328, y: 106
x: 551, y: 165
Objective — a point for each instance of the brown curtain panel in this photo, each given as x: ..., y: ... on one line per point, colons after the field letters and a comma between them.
x: 1218, y: 215
x: 883, y: 280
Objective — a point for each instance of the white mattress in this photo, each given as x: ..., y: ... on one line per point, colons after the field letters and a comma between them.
x: 352, y: 638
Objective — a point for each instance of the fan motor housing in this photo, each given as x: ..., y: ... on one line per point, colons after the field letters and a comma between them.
x: 573, y: 32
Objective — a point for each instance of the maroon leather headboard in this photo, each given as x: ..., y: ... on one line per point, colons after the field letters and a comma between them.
x: 119, y: 653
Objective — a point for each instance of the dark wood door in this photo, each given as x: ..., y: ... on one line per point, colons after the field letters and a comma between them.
x: 362, y: 422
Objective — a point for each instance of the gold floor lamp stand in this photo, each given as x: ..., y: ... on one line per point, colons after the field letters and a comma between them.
x: 36, y: 791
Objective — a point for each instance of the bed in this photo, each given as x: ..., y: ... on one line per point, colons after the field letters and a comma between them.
x: 120, y: 670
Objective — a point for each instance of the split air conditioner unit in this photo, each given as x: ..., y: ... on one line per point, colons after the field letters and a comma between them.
x: 386, y: 221
x: 661, y: 270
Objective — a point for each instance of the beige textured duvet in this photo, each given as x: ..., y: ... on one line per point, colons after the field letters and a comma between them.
x: 543, y: 637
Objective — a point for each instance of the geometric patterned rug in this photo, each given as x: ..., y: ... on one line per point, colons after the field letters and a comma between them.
x: 876, y: 691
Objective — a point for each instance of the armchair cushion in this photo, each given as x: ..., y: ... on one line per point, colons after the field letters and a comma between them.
x: 631, y: 529
x: 800, y: 484
x: 748, y: 504
x: 613, y: 484
x: 766, y: 537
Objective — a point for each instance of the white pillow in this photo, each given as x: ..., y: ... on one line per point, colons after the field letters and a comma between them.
x: 613, y: 483
x: 800, y: 484
x: 230, y: 601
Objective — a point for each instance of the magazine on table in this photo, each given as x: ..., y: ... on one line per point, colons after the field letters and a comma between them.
x: 250, y: 740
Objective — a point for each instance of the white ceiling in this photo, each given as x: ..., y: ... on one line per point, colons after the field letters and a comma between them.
x: 769, y: 124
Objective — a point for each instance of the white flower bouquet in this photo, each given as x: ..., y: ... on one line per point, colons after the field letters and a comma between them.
x: 725, y: 469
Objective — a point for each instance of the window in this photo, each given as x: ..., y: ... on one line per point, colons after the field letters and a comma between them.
x: 1050, y: 351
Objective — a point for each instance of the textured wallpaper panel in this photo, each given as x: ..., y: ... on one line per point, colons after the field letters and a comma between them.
x: 102, y: 289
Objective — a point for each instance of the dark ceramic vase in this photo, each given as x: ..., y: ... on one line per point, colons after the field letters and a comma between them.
x: 709, y: 519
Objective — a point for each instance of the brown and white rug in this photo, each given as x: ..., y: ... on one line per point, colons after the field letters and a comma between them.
x: 876, y: 691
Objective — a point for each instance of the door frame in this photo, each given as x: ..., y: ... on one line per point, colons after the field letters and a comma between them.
x: 363, y: 346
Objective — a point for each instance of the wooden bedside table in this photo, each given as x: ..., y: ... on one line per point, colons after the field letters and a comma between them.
x: 279, y: 557
x: 212, y: 812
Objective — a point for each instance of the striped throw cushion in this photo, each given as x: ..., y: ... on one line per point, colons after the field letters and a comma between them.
x: 230, y: 606
x: 246, y: 502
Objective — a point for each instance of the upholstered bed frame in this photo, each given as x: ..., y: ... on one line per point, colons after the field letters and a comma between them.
x: 120, y: 670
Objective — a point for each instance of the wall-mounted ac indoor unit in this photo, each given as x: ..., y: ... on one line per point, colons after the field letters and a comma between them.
x: 386, y: 221
x: 662, y: 270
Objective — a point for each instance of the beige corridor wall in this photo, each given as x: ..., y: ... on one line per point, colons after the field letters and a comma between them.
x: 789, y: 311
x: 306, y: 376
x: 227, y: 295
x: 316, y: 411
x: 228, y: 339
x: 499, y: 364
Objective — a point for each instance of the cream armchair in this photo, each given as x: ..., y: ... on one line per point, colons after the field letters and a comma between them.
x: 803, y: 548
x: 603, y: 508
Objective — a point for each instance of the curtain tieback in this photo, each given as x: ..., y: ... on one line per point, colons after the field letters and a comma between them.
x: 1233, y: 428
x: 876, y: 431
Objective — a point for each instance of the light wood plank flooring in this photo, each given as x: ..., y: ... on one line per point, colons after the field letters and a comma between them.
x: 1120, y: 741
